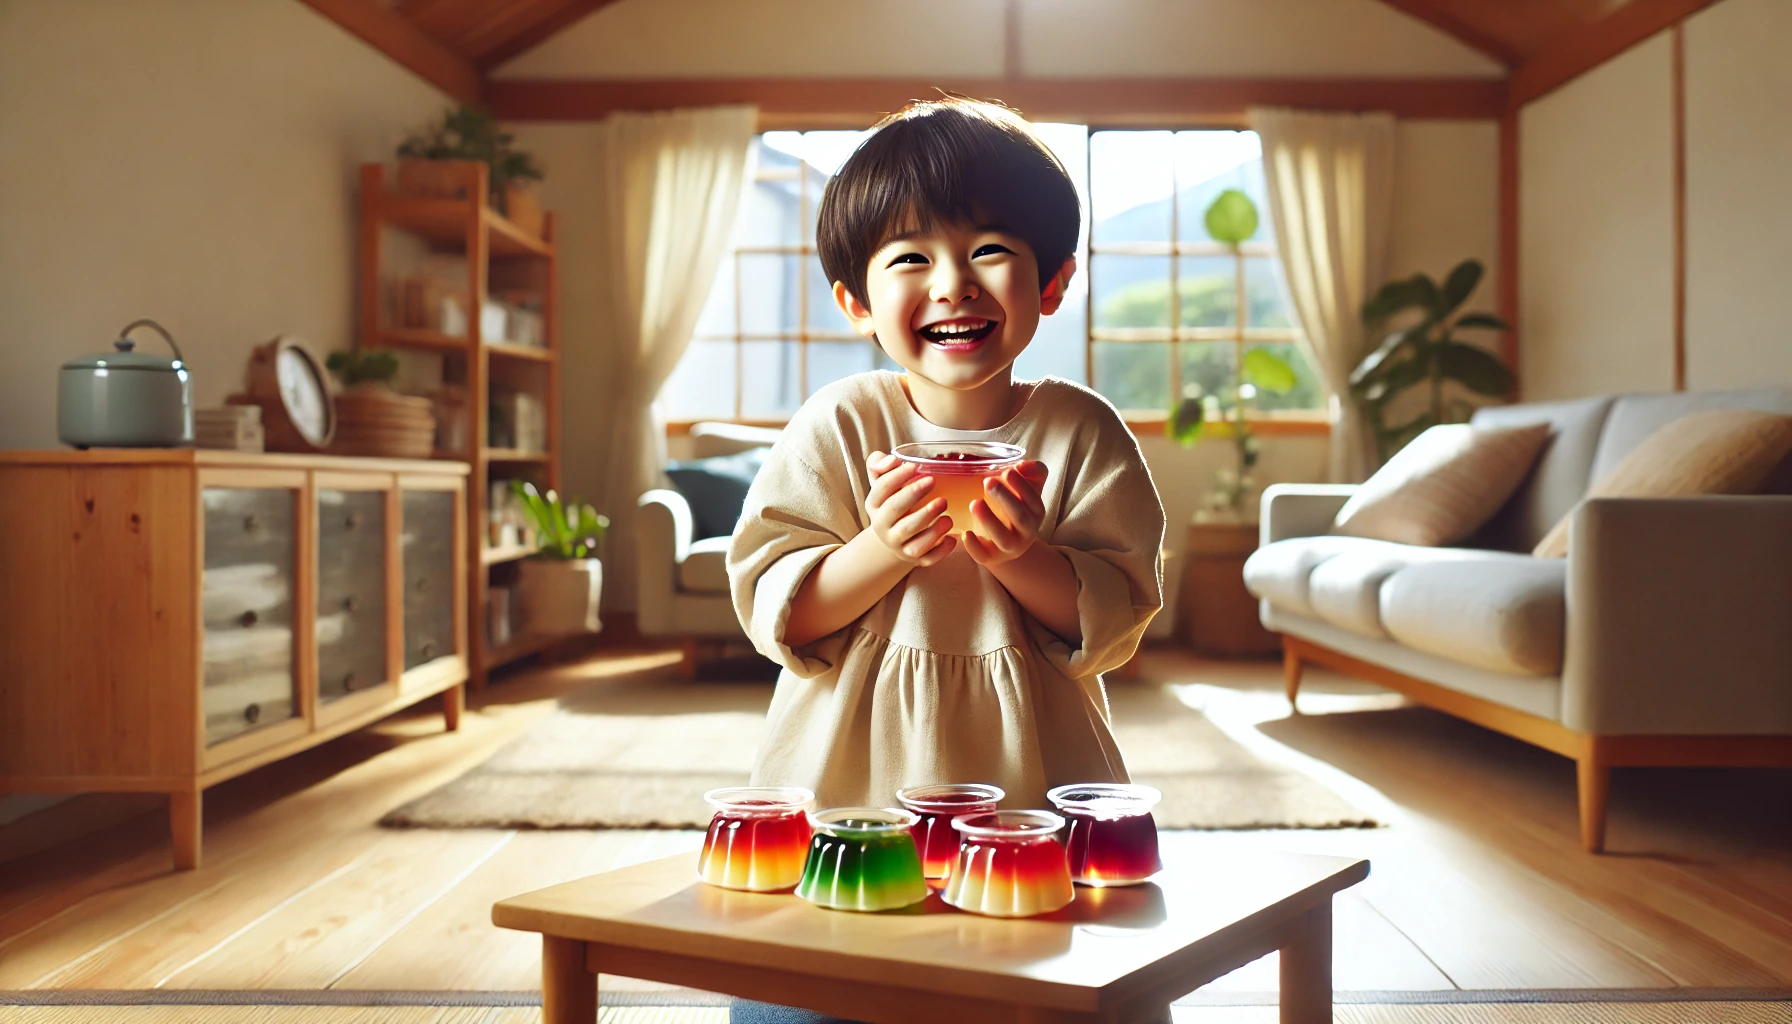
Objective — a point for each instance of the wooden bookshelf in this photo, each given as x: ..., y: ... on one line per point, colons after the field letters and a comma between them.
x: 493, y: 246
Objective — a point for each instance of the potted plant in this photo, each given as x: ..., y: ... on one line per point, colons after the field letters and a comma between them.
x: 559, y: 589
x: 468, y: 133
x: 371, y: 418
x: 1427, y: 353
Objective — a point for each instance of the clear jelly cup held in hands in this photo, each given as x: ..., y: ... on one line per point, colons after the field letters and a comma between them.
x: 1113, y: 837
x: 935, y: 837
x: 757, y: 839
x: 1009, y: 865
x: 862, y: 858
x: 958, y: 469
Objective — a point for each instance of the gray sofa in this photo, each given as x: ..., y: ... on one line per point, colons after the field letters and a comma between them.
x: 1664, y: 638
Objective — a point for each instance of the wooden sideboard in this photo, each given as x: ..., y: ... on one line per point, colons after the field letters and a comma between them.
x: 1218, y: 616
x: 174, y: 618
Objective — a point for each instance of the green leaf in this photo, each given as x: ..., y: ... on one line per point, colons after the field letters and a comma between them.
x: 1187, y: 419
x: 1475, y: 368
x: 1415, y: 292
x: 1395, y: 378
x: 1487, y: 320
x: 1460, y: 284
x: 1400, y: 343
x: 1267, y: 371
x: 1232, y: 217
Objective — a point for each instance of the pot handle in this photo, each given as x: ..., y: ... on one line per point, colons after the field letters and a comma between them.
x: 159, y: 329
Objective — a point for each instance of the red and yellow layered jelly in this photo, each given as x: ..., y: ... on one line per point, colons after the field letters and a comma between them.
x: 1113, y: 837
x: 758, y: 838
x: 937, y: 806
x: 1009, y: 865
x: 862, y: 858
x: 958, y: 469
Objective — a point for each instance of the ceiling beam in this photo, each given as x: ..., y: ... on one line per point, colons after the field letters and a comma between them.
x: 1428, y: 12
x: 540, y: 32
x: 1584, y: 49
x: 1116, y: 102
x: 399, y: 39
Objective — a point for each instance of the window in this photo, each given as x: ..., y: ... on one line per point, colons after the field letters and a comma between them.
x: 1157, y: 305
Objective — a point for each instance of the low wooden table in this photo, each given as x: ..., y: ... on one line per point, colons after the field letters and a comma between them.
x: 1113, y: 955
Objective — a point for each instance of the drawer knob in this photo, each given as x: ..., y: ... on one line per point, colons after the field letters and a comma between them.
x: 348, y: 681
x: 428, y: 649
x: 252, y: 714
x: 251, y: 522
x: 353, y: 520
x: 422, y: 584
x: 351, y: 604
x: 249, y: 619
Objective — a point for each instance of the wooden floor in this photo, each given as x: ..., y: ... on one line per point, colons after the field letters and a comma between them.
x: 1478, y: 883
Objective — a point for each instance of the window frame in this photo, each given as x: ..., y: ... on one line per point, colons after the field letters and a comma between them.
x: 1287, y: 422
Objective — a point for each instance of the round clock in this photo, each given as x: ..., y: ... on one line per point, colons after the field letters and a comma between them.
x: 288, y: 381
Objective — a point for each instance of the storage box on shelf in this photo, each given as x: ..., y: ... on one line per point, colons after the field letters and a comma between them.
x: 507, y: 353
x: 178, y: 617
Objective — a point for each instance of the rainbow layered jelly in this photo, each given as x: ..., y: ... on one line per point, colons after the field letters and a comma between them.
x: 757, y: 839
x: 1113, y: 837
x: 862, y: 858
x: 1009, y: 865
x: 937, y: 806
x: 958, y: 469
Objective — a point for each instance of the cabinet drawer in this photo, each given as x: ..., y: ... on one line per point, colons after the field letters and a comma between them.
x: 351, y: 592
x: 429, y: 581
x: 247, y: 603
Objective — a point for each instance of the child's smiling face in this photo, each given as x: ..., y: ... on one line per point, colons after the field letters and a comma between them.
x: 955, y: 304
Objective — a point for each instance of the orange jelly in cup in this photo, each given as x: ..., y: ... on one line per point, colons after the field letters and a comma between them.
x: 958, y: 469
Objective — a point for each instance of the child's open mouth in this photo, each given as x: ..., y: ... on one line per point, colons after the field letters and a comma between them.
x: 959, y: 334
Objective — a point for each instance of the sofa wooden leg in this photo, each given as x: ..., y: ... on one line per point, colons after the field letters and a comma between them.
x: 689, y: 666
x: 1594, y: 774
x: 1291, y: 669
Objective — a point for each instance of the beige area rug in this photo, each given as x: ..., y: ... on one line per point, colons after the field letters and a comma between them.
x: 639, y: 753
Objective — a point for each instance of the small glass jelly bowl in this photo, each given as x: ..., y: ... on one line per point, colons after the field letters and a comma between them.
x: 1113, y: 837
x: 757, y: 839
x: 937, y: 806
x: 862, y: 858
x: 958, y: 469
x: 1010, y: 865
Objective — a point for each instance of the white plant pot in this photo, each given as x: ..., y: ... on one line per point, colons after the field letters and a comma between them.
x: 560, y: 597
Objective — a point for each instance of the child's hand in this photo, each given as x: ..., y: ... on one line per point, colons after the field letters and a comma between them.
x: 1005, y: 521
x: 902, y: 516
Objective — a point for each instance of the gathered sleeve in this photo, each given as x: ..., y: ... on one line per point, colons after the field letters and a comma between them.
x: 793, y: 518
x: 1111, y: 527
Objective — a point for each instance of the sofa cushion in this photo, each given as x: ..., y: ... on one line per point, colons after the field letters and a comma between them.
x: 716, y: 489
x: 1504, y: 613
x: 1279, y: 572
x: 1345, y: 589
x: 1443, y: 485
x: 1634, y: 418
x: 705, y: 569
x: 1717, y: 451
x: 1557, y: 480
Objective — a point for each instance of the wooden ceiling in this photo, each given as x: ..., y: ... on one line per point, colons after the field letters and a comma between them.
x: 1542, y: 43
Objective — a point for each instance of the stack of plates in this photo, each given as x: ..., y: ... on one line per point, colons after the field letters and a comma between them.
x: 235, y: 428
x: 372, y: 419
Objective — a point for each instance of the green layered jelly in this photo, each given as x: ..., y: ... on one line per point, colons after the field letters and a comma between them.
x: 862, y: 859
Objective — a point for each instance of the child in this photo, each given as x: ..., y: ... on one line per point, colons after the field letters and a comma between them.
x: 909, y: 657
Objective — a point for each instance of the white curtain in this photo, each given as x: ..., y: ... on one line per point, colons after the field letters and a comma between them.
x: 1331, y: 182
x: 668, y: 186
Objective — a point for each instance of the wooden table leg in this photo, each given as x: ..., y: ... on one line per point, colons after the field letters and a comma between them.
x: 185, y: 825
x: 568, y: 987
x: 1307, y: 969
x: 454, y: 699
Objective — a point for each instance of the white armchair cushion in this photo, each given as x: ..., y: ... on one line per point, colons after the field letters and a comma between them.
x: 1502, y: 612
x: 705, y: 566
x: 1278, y: 572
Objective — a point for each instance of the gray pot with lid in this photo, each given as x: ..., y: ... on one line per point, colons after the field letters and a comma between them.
x: 125, y: 398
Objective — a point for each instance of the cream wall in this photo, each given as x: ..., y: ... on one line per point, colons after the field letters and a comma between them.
x: 192, y: 161
x: 782, y: 38
x: 1596, y: 231
x: 1738, y: 195
x: 1446, y: 201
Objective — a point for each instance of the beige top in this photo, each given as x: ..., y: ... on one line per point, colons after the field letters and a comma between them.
x: 946, y: 679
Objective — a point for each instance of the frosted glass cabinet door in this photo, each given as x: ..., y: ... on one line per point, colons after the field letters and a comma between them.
x: 247, y: 597
x: 428, y: 576
x: 351, y: 592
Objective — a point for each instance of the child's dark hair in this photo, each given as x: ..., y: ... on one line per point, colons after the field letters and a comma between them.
x: 954, y: 160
